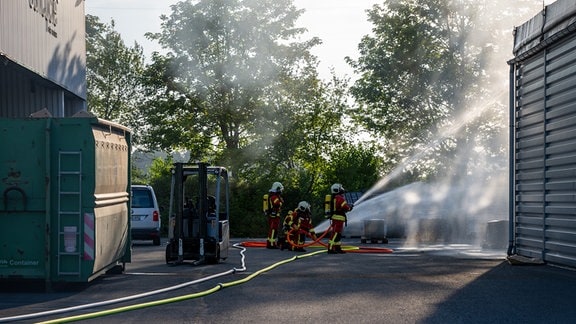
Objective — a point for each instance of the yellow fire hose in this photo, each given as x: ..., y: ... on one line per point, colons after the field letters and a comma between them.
x: 179, y: 298
x: 316, y: 242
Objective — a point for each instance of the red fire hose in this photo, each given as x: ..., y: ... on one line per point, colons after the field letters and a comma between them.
x: 318, y: 243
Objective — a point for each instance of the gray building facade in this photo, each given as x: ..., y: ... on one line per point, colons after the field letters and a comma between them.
x: 42, y: 57
x: 543, y: 137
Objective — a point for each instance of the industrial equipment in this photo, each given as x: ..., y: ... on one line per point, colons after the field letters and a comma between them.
x: 374, y: 231
x: 199, y: 214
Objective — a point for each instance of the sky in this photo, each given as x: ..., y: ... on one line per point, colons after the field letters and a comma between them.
x: 339, y: 23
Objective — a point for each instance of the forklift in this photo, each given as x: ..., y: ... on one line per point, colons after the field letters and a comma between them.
x: 199, y: 214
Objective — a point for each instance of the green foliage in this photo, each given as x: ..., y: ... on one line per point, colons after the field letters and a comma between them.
x: 159, y: 176
x: 226, y: 61
x: 237, y: 89
x: 357, y: 168
x: 414, y: 69
x: 246, y: 217
x: 113, y: 72
x: 428, y: 86
x: 168, y: 117
x: 138, y: 176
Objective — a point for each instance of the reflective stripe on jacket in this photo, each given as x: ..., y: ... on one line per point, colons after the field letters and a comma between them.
x: 338, y: 217
x: 276, y: 203
x: 340, y: 205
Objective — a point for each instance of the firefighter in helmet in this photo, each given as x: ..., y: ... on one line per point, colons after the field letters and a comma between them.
x: 338, y: 218
x: 304, y: 224
x: 288, y: 226
x: 295, y: 227
x: 275, y: 202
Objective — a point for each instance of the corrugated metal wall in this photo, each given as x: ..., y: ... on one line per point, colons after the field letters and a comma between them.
x: 48, y: 38
x: 42, y: 57
x: 23, y: 93
x: 544, y: 151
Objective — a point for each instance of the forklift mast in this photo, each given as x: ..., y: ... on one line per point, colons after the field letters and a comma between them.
x: 199, y: 214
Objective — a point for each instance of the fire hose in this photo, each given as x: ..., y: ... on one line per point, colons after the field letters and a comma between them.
x: 124, y: 299
x: 316, y: 242
x: 216, y: 288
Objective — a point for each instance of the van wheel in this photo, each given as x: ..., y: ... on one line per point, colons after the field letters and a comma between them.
x: 156, y: 241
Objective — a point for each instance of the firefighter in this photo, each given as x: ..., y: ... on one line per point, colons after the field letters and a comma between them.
x: 295, y: 227
x: 304, y: 224
x: 338, y: 218
x: 287, y: 231
x: 274, y: 203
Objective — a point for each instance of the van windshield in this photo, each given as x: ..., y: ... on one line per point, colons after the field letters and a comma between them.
x: 142, y: 199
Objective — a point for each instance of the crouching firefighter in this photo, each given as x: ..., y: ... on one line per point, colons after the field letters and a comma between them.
x: 288, y: 229
x: 338, y: 209
x: 272, y: 206
x: 304, y: 225
x: 297, y: 224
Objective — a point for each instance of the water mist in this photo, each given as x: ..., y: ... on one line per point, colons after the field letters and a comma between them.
x: 456, y: 210
x: 467, y: 207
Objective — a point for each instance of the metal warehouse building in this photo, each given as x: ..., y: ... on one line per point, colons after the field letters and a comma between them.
x: 543, y: 137
x: 42, y: 57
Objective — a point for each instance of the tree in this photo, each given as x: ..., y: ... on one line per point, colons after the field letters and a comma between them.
x: 426, y: 86
x: 160, y: 177
x: 113, y: 72
x: 357, y: 167
x: 223, y: 73
x: 237, y: 88
x: 414, y: 72
x: 310, y: 130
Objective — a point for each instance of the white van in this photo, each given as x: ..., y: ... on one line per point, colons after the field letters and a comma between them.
x: 145, y: 220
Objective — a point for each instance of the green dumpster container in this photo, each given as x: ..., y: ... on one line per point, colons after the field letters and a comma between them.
x: 64, y: 198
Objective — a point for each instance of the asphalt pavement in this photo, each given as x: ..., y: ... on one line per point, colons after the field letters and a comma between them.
x: 425, y: 284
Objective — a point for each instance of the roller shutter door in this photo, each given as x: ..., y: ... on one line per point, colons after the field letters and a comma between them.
x: 544, y: 152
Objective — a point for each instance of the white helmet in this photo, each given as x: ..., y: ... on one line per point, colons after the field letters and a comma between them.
x: 277, y: 187
x: 337, y: 188
x: 303, y: 206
